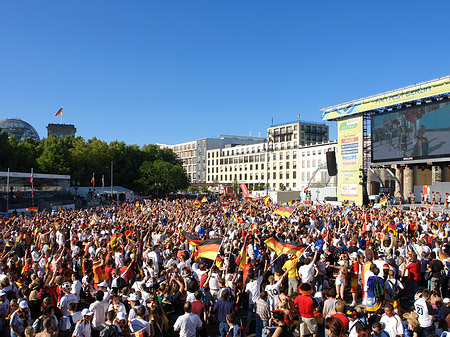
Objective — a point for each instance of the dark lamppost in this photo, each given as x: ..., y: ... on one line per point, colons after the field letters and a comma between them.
x: 268, y: 141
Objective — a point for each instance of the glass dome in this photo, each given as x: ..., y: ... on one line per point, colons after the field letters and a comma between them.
x: 18, y: 128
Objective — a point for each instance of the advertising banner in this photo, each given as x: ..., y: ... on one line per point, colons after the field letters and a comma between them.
x: 411, y: 93
x: 350, y: 159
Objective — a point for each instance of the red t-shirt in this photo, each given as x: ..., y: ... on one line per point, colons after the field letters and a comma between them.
x: 343, y: 319
x: 198, y: 307
x: 108, y: 270
x: 128, y: 275
x: 414, y: 271
x: 305, y: 306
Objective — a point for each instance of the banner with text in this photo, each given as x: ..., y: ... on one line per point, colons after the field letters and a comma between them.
x: 411, y: 93
x: 350, y: 159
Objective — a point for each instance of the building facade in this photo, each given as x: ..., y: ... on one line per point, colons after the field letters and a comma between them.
x: 277, y: 162
x: 61, y: 130
x: 194, y: 153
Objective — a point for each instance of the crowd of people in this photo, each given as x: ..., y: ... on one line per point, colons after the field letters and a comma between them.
x: 167, y: 268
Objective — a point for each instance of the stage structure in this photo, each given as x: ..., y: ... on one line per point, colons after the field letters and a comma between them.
x: 398, y: 128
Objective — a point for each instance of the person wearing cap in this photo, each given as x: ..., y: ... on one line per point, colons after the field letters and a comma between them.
x: 413, y: 324
x: 306, y: 305
x: 121, y: 323
x: 67, y: 298
x: 20, y: 319
x: 354, y: 323
x: 392, y: 322
x: 135, y: 303
x: 4, y: 310
x: 444, y: 309
x: 103, y: 286
x: 83, y: 327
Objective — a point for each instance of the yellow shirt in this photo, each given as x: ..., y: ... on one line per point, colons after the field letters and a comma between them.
x: 288, y: 264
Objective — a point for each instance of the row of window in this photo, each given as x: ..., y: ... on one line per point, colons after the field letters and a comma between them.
x: 251, y: 177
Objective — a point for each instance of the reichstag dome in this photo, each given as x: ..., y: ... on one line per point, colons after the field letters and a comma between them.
x: 18, y: 128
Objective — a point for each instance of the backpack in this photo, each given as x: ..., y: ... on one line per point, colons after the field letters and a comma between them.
x: 394, y: 291
x: 109, y: 331
x: 378, y: 289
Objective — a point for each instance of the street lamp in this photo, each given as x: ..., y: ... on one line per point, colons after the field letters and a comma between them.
x: 76, y: 185
x: 268, y: 141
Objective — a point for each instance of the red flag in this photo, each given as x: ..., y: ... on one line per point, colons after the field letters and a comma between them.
x: 245, y: 275
x: 93, y: 180
x: 59, y: 112
x: 241, y: 259
x: 244, y: 190
x: 31, y: 181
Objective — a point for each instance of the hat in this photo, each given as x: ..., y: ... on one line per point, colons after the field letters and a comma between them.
x: 322, y: 256
x: 86, y: 312
x: 133, y: 297
x: 23, y: 305
x: 411, y: 315
x: 354, y: 255
x: 103, y: 284
x: 120, y: 316
x: 305, y: 288
x: 341, y: 263
x: 2, y: 293
x: 446, y: 300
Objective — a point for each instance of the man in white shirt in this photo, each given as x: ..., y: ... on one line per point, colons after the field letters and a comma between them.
x: 99, y: 308
x: 392, y: 322
x: 424, y: 309
x: 139, y: 323
x: 189, y: 323
x: 253, y: 288
x: 306, y: 271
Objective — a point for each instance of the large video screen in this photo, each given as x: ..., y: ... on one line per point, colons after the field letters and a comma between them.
x: 417, y: 132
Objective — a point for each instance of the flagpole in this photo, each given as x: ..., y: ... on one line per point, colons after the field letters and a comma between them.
x: 103, y: 184
x: 112, y: 171
x: 61, y: 115
x: 32, y: 188
x: 7, y: 191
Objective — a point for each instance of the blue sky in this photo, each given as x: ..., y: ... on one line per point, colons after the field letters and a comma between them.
x: 172, y: 71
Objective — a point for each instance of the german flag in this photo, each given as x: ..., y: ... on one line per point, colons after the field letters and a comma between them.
x: 191, y: 238
x: 395, y: 209
x: 204, y: 199
x: 293, y: 248
x: 267, y: 200
x: 348, y: 203
x: 140, y: 333
x: 32, y: 209
x: 285, y: 211
x: 383, y: 202
x: 209, y: 248
x: 275, y: 245
x: 197, y: 203
x: 440, y: 223
x: 391, y: 229
x: 430, y: 206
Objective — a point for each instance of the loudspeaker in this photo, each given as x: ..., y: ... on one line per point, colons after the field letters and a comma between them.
x: 330, y: 198
x: 331, y: 163
x: 406, y: 208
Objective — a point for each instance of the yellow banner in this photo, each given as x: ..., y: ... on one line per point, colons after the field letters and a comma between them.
x: 350, y: 159
x: 411, y: 93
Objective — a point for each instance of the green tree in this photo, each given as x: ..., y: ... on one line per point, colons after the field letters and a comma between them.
x: 54, y: 155
x: 160, y: 177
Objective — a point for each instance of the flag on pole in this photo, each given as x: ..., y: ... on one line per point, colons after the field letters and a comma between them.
x: 285, y: 211
x: 59, y: 112
x: 32, y: 183
x: 209, y: 248
x: 32, y: 209
x: 93, y: 180
x: 267, y: 200
x: 204, y: 199
x: 241, y: 259
x: 293, y: 248
x: 275, y: 245
x: 191, y: 238
x: 383, y: 202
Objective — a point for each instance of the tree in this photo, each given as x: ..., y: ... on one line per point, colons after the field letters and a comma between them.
x: 161, y: 177
x: 235, y: 186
